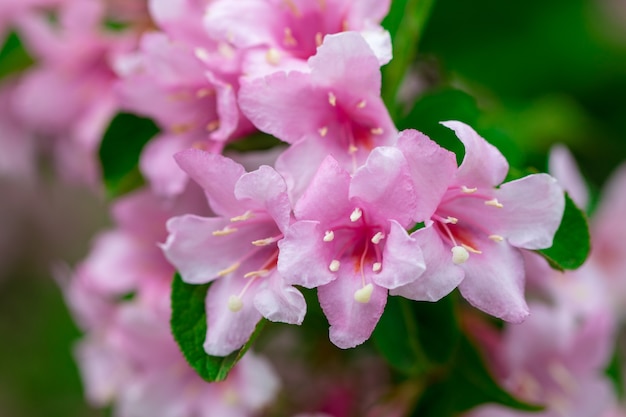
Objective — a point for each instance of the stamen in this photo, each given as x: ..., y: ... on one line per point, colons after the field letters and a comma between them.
x: 329, y: 236
x: 356, y: 215
x: 377, y: 131
x: 471, y: 249
x: 245, y: 216
x: 212, y: 126
x: 292, y: 7
x: 496, y: 238
x: 352, y: 149
x: 289, y: 40
x: 468, y: 190
x: 493, y: 203
x: 225, y: 231
x: 318, y: 39
x: 377, y: 266
x: 259, y: 273
x: 235, y: 303
x: 334, y: 265
x: 181, y: 128
x: 345, y: 26
x: 377, y: 238
x: 323, y: 131
x: 364, y: 294
x: 563, y: 377
x: 228, y: 270
x: 361, y: 104
x: 332, y: 99
x: 225, y: 49
x: 459, y: 255
x: 204, y: 92
x: 264, y: 242
x: 452, y: 220
x: 202, y: 54
x: 272, y: 56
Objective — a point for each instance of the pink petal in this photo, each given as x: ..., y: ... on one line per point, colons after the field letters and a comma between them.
x: 494, y: 281
x: 483, y: 165
x: 217, y: 175
x: 402, y: 259
x: 277, y: 301
x: 227, y: 330
x: 385, y: 187
x: 432, y: 169
x: 562, y: 166
x: 304, y: 257
x: 441, y: 276
x: 157, y: 164
x: 267, y: 189
x: 351, y: 322
x: 532, y: 212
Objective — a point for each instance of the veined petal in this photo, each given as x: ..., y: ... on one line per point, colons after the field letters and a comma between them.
x: 483, y: 165
x: 432, y: 169
x: 532, y: 211
x: 228, y: 330
x: 494, y: 281
x: 351, y: 322
x: 266, y: 189
x: 278, y: 301
x: 200, y: 255
x: 402, y: 259
x: 562, y: 166
x: 385, y: 187
x: 217, y: 175
x: 441, y: 276
x: 304, y: 257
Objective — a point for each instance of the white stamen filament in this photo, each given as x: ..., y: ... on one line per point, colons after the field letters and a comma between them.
x: 228, y: 270
x: 494, y: 203
x: 356, y: 215
x: 329, y: 236
x: 235, y: 303
x: 378, y: 237
x: 377, y: 266
x: 459, y: 255
x: 334, y: 265
x: 259, y: 273
x: 364, y: 294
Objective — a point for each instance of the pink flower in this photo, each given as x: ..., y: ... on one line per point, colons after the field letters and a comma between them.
x: 237, y: 250
x: 335, y: 109
x: 282, y: 35
x: 350, y: 241
x: 476, y: 232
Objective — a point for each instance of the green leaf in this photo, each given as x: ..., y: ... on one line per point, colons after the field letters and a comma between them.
x: 405, y: 22
x: 467, y: 384
x: 189, y: 327
x: 396, y: 336
x: 415, y: 336
x: 13, y: 56
x: 120, y: 149
x: 572, y: 240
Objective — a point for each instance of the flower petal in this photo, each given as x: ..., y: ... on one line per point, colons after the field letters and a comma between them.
x: 277, y: 301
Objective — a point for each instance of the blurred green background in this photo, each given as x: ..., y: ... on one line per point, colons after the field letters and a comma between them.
x: 526, y: 74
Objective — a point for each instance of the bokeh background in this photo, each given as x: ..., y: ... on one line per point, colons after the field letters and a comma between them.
x: 526, y: 74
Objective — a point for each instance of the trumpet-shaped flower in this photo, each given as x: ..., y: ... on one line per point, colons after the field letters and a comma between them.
x: 238, y: 250
x: 477, y: 230
x: 350, y: 241
x: 335, y: 109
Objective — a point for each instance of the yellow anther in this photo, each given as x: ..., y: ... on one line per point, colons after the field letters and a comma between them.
x: 334, y: 265
x: 493, y: 203
x: 264, y: 242
x: 259, y: 273
x: 213, y: 126
x: 356, y: 215
x: 225, y: 231
x: 352, y: 149
x: 329, y: 236
x: 377, y: 131
x: 204, y: 92
x: 245, y: 216
x: 361, y: 104
x: 332, y: 99
x: 496, y: 238
x: 452, y: 220
x: 378, y: 237
x: 318, y: 38
x: 467, y: 190
x: 377, y: 266
x: 323, y: 131
x: 289, y: 40
x: 471, y: 249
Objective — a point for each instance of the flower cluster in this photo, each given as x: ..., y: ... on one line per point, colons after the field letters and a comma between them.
x: 346, y: 204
